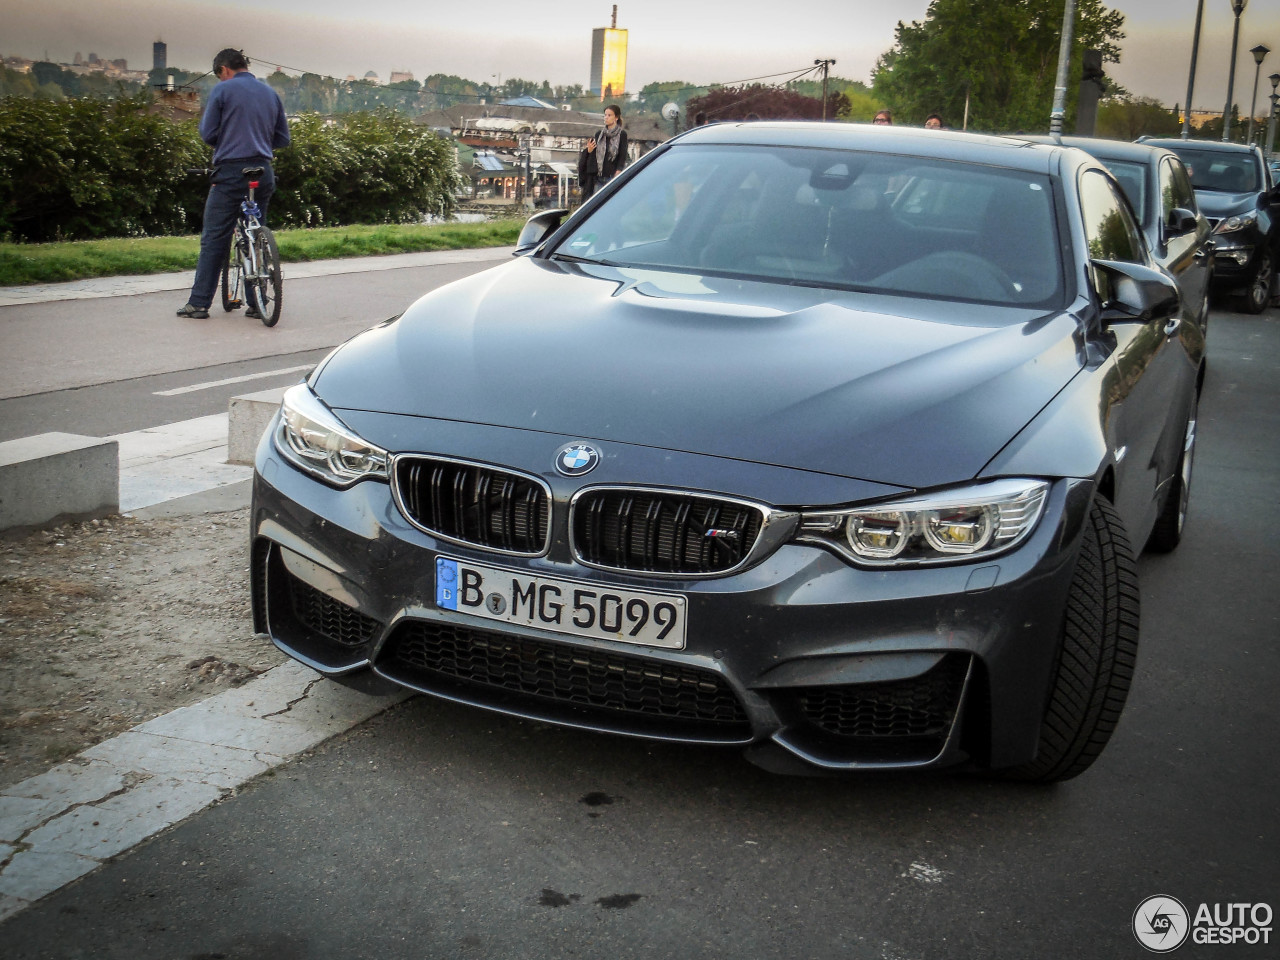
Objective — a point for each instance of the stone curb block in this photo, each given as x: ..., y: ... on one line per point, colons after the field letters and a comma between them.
x: 247, y: 420
x: 57, y: 474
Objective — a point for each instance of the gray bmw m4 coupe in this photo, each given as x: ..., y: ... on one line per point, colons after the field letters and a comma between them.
x: 831, y: 443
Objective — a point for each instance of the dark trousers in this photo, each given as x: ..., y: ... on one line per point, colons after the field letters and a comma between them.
x: 228, y: 189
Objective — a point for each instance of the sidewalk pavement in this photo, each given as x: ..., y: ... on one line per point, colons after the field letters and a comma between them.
x: 62, y: 825
x: 159, y: 282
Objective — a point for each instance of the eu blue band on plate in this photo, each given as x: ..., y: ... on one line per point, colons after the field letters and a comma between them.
x: 446, y: 582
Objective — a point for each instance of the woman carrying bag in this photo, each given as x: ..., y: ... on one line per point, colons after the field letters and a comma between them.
x: 605, y: 154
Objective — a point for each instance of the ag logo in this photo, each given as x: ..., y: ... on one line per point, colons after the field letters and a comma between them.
x: 1161, y: 924
x: 576, y: 459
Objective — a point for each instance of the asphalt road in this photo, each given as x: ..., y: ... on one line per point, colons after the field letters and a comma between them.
x: 440, y: 831
x: 95, y: 367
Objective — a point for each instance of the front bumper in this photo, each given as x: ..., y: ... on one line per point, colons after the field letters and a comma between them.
x: 802, y: 659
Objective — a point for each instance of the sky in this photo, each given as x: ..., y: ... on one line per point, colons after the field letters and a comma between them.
x: 697, y: 41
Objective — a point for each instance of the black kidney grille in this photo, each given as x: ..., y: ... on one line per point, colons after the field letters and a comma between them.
x: 922, y: 706
x: 659, y: 532
x: 482, y: 660
x: 489, y: 508
x: 332, y: 619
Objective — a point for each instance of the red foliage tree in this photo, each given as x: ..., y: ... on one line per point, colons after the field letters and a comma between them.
x: 760, y: 102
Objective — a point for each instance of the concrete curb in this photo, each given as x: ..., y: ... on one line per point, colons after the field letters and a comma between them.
x: 63, y: 824
x: 160, y: 282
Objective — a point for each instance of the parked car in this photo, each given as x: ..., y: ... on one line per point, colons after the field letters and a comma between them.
x: 825, y: 441
x: 1159, y: 189
x: 1239, y: 196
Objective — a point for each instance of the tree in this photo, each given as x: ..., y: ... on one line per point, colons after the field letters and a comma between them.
x: 654, y: 96
x: 863, y: 104
x: 765, y: 103
x: 1001, y: 54
x: 1128, y: 118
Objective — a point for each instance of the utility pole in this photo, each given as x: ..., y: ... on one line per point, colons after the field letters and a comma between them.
x: 1064, y: 65
x: 826, y: 66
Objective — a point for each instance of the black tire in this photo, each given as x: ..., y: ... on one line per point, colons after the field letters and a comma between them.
x: 1258, y: 294
x: 1096, y: 654
x: 232, y: 295
x: 1167, y: 533
x: 265, y: 291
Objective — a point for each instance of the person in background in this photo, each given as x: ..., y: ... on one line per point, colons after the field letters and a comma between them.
x: 883, y: 116
x: 608, y: 148
x: 933, y: 122
x: 244, y: 122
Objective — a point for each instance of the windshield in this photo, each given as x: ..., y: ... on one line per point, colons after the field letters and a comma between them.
x: 880, y: 223
x: 1221, y: 171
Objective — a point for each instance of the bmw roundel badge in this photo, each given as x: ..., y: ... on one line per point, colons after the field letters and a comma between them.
x: 576, y: 459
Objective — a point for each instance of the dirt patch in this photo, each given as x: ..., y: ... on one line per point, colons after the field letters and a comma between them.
x: 108, y: 623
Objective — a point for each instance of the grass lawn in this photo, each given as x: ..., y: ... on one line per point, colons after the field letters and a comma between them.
x: 52, y: 262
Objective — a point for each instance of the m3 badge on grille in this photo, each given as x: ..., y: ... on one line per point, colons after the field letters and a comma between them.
x: 576, y: 459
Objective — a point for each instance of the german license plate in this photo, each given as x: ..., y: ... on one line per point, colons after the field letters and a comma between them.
x: 564, y: 606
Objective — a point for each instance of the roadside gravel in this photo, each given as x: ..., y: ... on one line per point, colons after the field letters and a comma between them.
x: 107, y: 623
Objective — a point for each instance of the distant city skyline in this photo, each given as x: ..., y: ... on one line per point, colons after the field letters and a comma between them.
x: 713, y: 41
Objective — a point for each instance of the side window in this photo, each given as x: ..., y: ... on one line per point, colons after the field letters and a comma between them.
x: 1175, y: 188
x: 1108, y: 225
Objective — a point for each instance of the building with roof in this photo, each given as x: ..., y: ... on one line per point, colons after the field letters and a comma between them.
x: 500, y: 144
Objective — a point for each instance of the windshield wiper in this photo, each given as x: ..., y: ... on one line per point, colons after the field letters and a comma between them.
x: 570, y: 258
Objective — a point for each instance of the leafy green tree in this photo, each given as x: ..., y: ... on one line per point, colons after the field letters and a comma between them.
x: 15, y: 84
x: 1000, y: 54
x: 1128, y: 118
x: 654, y: 96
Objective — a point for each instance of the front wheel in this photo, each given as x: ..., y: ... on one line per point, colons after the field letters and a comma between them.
x: 1258, y: 294
x: 266, y: 289
x: 1097, y: 649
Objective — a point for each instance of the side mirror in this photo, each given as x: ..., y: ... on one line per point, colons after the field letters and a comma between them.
x: 537, y: 228
x: 1180, y: 221
x: 1134, y: 293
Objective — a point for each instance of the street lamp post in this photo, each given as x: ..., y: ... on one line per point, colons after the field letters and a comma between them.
x: 1191, y: 78
x: 1271, y: 117
x: 1237, y: 7
x: 1259, y: 54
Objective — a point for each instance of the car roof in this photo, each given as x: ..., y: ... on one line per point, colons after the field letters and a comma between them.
x: 1213, y: 146
x: 1101, y: 148
x: 1009, y: 152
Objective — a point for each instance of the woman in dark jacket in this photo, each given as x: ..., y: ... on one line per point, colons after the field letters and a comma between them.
x: 608, y: 149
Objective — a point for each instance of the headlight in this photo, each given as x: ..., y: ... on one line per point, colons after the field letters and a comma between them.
x: 1232, y: 224
x: 314, y: 440
x: 942, y: 527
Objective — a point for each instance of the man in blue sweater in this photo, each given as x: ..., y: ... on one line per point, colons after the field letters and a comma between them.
x: 244, y: 122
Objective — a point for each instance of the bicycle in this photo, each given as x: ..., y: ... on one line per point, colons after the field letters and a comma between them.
x: 252, y: 268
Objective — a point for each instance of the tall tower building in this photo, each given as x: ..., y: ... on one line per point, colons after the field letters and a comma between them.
x: 609, y: 60
x: 159, y: 55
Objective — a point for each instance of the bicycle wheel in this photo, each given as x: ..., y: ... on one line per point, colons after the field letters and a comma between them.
x: 231, y: 278
x: 265, y: 289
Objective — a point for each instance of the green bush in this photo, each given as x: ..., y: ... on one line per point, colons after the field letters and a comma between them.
x: 376, y: 167
x: 79, y: 169
x: 82, y: 168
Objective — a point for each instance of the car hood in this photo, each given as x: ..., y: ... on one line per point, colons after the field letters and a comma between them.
x: 896, y: 390
x: 1218, y: 206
